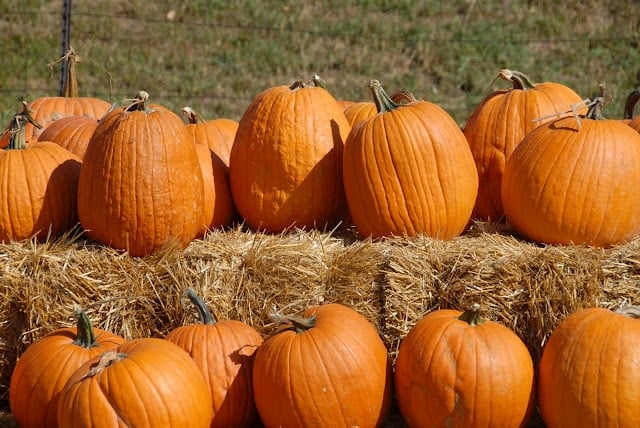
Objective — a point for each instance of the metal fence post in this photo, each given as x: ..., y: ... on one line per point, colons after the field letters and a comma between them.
x: 66, y: 36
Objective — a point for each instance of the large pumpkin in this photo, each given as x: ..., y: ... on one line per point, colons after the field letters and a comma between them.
x: 285, y: 167
x: 141, y: 184
x: 575, y: 181
x: 590, y: 370
x: 223, y: 350
x: 38, y: 186
x: 326, y: 368
x: 49, y: 108
x: 44, y: 368
x: 456, y: 369
x: 408, y: 170
x: 498, y: 124
x: 143, y: 383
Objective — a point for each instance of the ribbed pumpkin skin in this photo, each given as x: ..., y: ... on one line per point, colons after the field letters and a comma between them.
x: 498, y: 124
x: 565, y: 185
x: 224, y: 353
x: 409, y: 171
x: 334, y: 374
x: 43, y: 369
x: 71, y: 132
x: 285, y: 167
x: 359, y: 111
x: 154, y: 383
x: 590, y: 371
x: 217, y: 134
x: 38, y: 191
x: 451, y: 374
x: 141, y: 184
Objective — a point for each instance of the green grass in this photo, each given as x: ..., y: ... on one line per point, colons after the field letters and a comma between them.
x: 216, y: 56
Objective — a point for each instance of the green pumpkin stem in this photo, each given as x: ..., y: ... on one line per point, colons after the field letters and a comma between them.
x: 472, y: 315
x: 85, y: 336
x: 517, y: 78
x: 17, y: 137
x: 289, y: 322
x: 383, y: 102
x: 630, y: 103
x: 203, y: 312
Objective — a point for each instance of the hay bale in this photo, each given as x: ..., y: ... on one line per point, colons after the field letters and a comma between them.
x: 245, y: 275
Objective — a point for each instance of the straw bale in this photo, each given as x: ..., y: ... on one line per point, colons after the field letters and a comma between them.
x: 248, y: 276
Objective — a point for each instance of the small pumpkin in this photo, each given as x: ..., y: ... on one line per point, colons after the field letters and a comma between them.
x: 408, y: 170
x: 218, y: 134
x: 498, y: 124
x: 141, y: 185
x: 43, y: 369
x: 326, y: 368
x: 71, y: 132
x: 38, y: 183
x: 573, y: 181
x: 224, y: 351
x: 456, y: 369
x: 285, y: 168
x: 589, y: 371
x: 145, y: 382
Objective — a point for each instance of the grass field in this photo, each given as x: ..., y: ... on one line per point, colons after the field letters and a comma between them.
x: 216, y: 56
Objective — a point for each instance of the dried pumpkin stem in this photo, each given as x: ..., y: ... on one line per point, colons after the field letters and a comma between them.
x: 517, y: 78
x: 383, y: 102
x: 300, y: 324
x: 630, y: 103
x: 85, y: 335
x: 203, y: 312
x: 191, y: 115
x: 106, y: 359
x: 472, y: 315
x: 139, y: 103
x: 299, y: 84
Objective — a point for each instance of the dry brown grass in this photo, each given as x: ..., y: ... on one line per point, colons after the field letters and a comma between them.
x: 246, y: 275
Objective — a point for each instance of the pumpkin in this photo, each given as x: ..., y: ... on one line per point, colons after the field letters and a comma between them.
x: 218, y: 134
x: 408, y: 170
x: 589, y: 371
x: 629, y: 107
x: 49, y: 108
x: 456, y: 369
x: 141, y: 184
x: 145, y: 382
x: 43, y: 369
x: 326, y: 368
x: 38, y: 186
x: 223, y: 350
x: 361, y: 110
x: 574, y: 181
x: 218, y: 210
x: 285, y: 168
x: 71, y: 132
x: 498, y: 124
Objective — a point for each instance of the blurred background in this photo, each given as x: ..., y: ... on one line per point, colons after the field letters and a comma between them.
x: 215, y: 56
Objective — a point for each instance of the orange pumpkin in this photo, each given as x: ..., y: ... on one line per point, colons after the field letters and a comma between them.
x: 326, y: 368
x: 575, y: 181
x: 71, y: 132
x: 146, y: 382
x: 47, y: 109
x: 217, y: 134
x: 408, y: 170
x: 589, y: 371
x: 498, y: 124
x: 456, y: 369
x: 38, y: 183
x: 43, y: 369
x: 141, y: 184
x: 223, y: 350
x: 285, y: 167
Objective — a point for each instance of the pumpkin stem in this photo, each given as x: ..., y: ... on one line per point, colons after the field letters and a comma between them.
x: 299, y: 84
x: 70, y: 88
x: 472, y: 315
x: 596, y: 105
x: 16, y: 130
x: 403, y: 97
x: 383, y: 102
x: 139, y: 103
x: 517, y: 78
x: 106, y: 359
x: 290, y: 322
x: 630, y: 103
x: 204, y: 313
x: 632, y: 311
x: 192, y: 115
x: 317, y: 81
x: 85, y: 336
